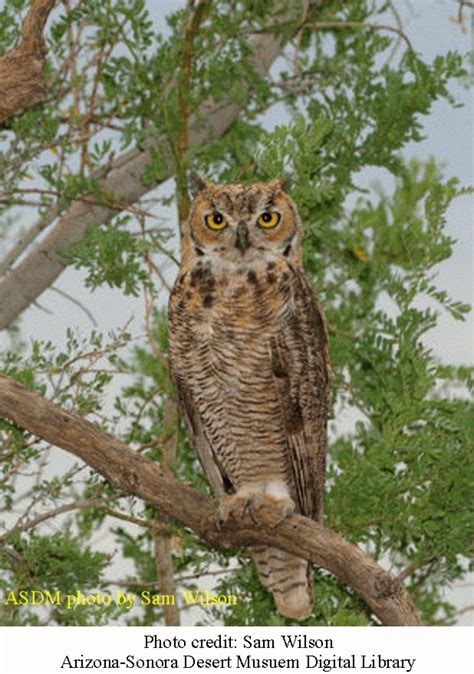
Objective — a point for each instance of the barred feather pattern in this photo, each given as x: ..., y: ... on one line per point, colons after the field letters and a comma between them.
x: 248, y: 355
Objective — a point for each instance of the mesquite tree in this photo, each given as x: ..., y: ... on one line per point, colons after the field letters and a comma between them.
x: 130, y: 104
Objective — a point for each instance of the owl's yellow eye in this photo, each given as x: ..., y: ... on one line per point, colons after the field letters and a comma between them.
x: 216, y: 221
x: 268, y: 219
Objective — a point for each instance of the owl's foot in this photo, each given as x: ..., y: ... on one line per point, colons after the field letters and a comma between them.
x: 261, y: 507
x: 270, y: 510
x: 232, y: 507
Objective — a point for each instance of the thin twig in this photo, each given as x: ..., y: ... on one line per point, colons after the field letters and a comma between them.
x: 465, y: 609
x: 95, y: 355
x: 414, y: 566
x: 109, y: 200
x: 72, y: 299
x: 462, y: 4
x: 398, y: 19
x: 67, y: 507
x: 335, y: 25
x: 155, y: 585
x: 148, y: 524
x: 27, y: 238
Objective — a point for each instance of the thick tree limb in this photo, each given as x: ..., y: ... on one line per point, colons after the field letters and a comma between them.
x: 131, y: 473
x: 22, y: 83
x: 122, y: 179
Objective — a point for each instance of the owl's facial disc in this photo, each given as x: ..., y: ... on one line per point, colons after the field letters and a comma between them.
x: 244, y: 223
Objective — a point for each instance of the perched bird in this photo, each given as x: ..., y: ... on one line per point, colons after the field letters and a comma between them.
x: 249, y: 359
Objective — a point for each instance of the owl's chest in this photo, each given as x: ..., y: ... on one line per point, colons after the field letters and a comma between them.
x: 246, y: 300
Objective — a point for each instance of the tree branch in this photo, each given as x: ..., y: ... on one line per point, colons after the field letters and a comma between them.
x: 462, y: 4
x: 162, y: 540
x: 51, y: 514
x: 195, y: 19
x: 22, y: 83
x: 25, y: 283
x: 132, y: 473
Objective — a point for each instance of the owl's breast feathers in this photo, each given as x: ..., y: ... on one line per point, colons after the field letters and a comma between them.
x: 248, y: 355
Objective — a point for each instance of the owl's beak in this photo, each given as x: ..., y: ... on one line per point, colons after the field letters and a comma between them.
x: 242, y: 241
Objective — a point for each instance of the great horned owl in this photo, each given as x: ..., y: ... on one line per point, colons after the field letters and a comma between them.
x: 248, y: 356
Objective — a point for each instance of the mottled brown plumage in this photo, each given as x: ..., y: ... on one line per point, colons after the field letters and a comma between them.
x: 248, y: 354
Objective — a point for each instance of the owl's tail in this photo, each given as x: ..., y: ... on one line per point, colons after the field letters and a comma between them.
x: 288, y: 578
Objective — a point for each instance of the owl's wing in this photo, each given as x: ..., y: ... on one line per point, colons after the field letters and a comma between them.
x: 300, y: 365
x: 211, y: 466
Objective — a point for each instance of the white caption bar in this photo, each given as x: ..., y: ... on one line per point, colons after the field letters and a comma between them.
x: 391, y: 650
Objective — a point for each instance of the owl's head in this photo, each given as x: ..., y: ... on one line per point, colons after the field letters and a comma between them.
x: 244, y: 223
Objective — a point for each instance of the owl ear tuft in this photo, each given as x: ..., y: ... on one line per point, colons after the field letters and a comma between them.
x: 285, y: 184
x: 282, y: 184
x: 197, y: 183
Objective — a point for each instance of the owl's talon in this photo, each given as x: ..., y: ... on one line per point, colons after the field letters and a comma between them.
x: 249, y: 509
x: 218, y: 522
x: 230, y: 507
x: 255, y: 522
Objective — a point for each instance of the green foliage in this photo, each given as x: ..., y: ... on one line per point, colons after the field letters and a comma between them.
x: 9, y: 28
x: 111, y: 255
x: 59, y: 563
x: 399, y: 477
